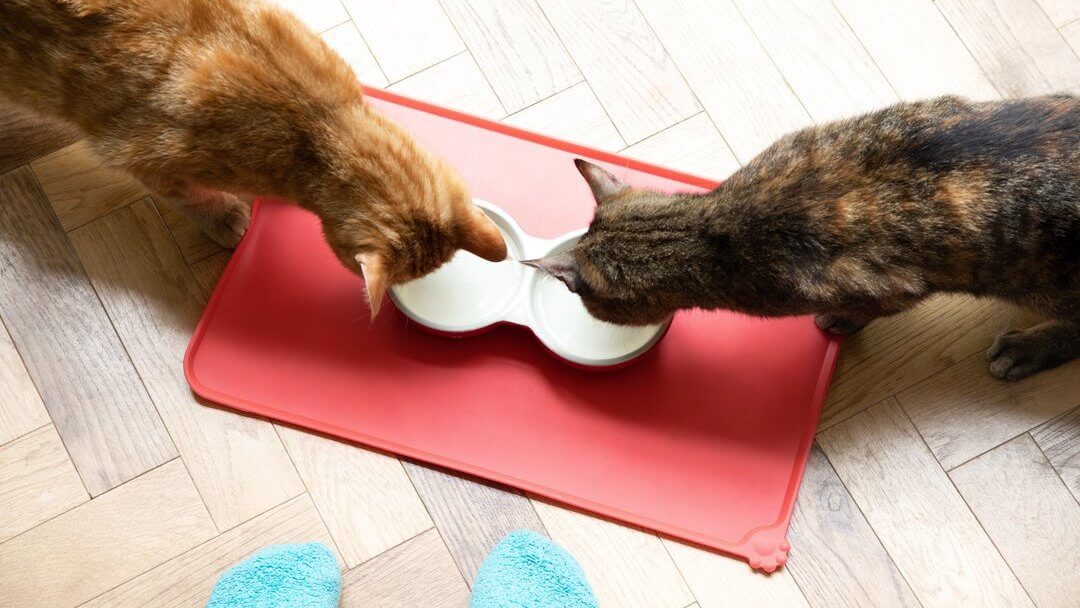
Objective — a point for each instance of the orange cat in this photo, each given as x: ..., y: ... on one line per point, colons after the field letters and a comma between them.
x: 207, y: 102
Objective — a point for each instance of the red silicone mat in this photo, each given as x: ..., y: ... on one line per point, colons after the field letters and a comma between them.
x: 702, y: 439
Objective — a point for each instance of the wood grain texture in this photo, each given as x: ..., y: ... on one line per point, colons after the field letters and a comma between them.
x: 187, y: 579
x: 319, y: 15
x: 237, y: 462
x: 1059, y: 439
x: 99, y: 545
x: 472, y: 517
x: 28, y: 136
x: 1031, y: 517
x: 80, y: 188
x: 627, y: 568
x: 190, y: 239
x: 898, y: 352
x: 920, y: 518
x: 21, y: 409
x: 455, y: 83
x: 819, y: 56
x: 916, y: 49
x: 963, y: 411
x: 694, y: 146
x: 836, y: 558
x: 625, y: 63
x: 417, y: 573
x: 1071, y: 33
x: 719, y: 581
x: 70, y: 349
x: 735, y: 79
x: 515, y: 47
x: 1061, y: 12
x: 407, y: 37
x: 575, y: 115
x: 1016, y: 44
x: 207, y: 273
x: 366, y: 499
x: 37, y: 482
x: 346, y: 40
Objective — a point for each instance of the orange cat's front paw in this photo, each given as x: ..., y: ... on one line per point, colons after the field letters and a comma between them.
x: 227, y: 228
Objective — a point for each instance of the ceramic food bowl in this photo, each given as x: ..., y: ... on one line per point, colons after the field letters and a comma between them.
x: 469, y: 294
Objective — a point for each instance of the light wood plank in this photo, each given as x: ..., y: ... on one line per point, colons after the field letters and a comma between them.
x: 819, y: 56
x: 407, y: 37
x: 515, y: 47
x: 1030, y: 516
x: 1071, y: 33
x: 94, y: 547
x: 81, y: 188
x: 186, y: 580
x: 319, y: 15
x: 190, y: 239
x: 1061, y: 12
x: 346, y: 40
x: 72, y: 352
x: 734, y: 78
x: 575, y: 115
x: 920, y: 518
x: 237, y: 462
x: 22, y: 410
x: 207, y: 272
x: 472, y: 517
x: 836, y: 558
x: 694, y: 146
x: 914, y: 47
x: 627, y: 568
x: 625, y: 63
x: 417, y: 573
x: 719, y: 581
x: 365, y: 498
x: 1059, y: 439
x: 963, y: 411
x: 898, y: 352
x: 455, y: 83
x: 37, y: 482
x: 1016, y: 44
x: 28, y: 136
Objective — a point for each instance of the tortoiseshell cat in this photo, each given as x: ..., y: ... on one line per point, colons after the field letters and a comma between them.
x: 860, y: 219
x: 209, y: 101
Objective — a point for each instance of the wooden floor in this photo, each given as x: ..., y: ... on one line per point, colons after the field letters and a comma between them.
x: 931, y: 484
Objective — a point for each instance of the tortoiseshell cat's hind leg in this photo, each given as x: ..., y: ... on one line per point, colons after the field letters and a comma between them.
x: 1020, y: 353
x: 222, y: 216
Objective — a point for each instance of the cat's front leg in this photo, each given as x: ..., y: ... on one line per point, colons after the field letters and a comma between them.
x: 224, y: 217
x: 842, y: 323
x: 1020, y: 353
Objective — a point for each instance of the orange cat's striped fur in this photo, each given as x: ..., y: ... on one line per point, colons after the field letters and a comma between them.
x: 209, y: 102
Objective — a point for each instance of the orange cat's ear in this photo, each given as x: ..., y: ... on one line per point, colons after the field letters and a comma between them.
x: 604, y: 185
x: 479, y: 235
x: 374, y: 270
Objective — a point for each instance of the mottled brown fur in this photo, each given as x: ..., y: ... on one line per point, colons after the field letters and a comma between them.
x: 208, y: 102
x: 859, y: 219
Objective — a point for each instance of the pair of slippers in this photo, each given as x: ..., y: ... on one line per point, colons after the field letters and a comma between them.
x: 525, y: 570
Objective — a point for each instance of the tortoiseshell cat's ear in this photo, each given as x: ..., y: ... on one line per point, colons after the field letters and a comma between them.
x: 373, y: 268
x: 562, y: 266
x: 604, y: 185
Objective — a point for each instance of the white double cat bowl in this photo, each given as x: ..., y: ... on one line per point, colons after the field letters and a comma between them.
x: 468, y: 294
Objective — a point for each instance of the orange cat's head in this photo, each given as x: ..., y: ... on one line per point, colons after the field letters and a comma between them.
x: 404, y: 212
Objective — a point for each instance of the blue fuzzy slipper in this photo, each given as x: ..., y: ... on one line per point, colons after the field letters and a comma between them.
x: 526, y: 570
x: 281, y: 576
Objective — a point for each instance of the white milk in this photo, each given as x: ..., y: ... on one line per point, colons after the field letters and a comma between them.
x: 566, y: 321
x: 463, y: 291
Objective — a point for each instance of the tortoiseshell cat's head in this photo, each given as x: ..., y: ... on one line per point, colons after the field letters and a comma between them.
x: 621, y: 267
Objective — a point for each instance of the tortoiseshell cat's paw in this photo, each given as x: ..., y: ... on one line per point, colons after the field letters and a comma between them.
x: 839, y: 324
x: 1018, y: 354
